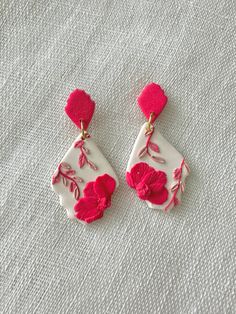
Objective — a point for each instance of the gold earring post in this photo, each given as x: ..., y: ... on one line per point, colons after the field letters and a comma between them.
x: 149, y: 127
x: 84, y: 133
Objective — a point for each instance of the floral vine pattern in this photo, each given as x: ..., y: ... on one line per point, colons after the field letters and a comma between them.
x: 150, y: 146
x: 65, y: 173
x: 177, y: 175
x: 83, y: 159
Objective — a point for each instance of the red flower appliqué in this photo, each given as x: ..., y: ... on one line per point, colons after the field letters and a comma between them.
x: 148, y: 183
x: 97, y: 197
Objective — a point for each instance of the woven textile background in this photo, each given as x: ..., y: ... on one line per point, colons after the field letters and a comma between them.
x: 134, y: 260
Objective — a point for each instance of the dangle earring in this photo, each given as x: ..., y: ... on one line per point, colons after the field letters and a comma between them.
x: 156, y: 170
x: 84, y: 180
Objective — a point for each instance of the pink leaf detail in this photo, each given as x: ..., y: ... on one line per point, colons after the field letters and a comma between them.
x: 177, y: 173
x: 154, y: 147
x: 72, y: 186
x: 65, y: 182
x: 142, y: 152
x: 78, y: 179
x: 176, y: 201
x: 82, y: 160
x: 55, y: 179
x: 79, y: 143
x: 76, y: 194
x: 182, y: 187
x: 85, y: 150
x: 175, y: 187
x: 187, y: 167
x: 92, y: 165
x: 65, y: 165
x: 158, y: 159
x: 70, y: 172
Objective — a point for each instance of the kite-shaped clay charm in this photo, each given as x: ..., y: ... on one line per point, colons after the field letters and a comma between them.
x: 84, y: 179
x: 156, y: 170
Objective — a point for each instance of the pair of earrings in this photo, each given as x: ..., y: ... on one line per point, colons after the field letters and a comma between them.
x: 85, y: 181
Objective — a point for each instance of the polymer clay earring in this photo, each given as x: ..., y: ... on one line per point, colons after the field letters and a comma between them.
x: 156, y: 170
x: 84, y: 180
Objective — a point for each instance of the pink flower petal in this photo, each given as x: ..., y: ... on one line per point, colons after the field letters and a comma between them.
x: 129, y: 180
x: 90, y: 219
x: 86, y: 209
x: 155, y: 180
x: 148, y: 182
x: 104, y: 203
x: 143, y: 191
x: 138, y: 172
x: 159, y: 197
x: 89, y: 190
x: 104, y: 186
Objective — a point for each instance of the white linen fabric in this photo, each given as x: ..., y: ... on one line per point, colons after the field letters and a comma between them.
x: 134, y: 260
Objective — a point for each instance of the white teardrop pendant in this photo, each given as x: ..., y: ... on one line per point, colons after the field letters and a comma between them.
x: 156, y: 170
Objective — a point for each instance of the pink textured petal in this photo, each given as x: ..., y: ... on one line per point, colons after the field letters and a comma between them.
x: 152, y: 99
x: 85, y: 204
x: 89, y: 190
x: 104, y: 186
x: 155, y: 180
x: 129, y: 180
x: 86, y: 209
x: 79, y: 107
x: 138, y: 172
x: 104, y: 203
x: 159, y: 197
x: 98, y: 215
x: 143, y: 191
